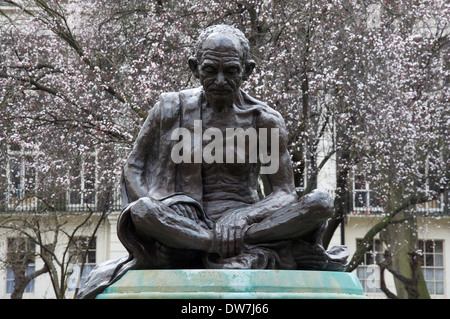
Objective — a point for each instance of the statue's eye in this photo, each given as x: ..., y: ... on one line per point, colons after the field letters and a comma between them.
x: 232, y: 71
x: 209, y: 69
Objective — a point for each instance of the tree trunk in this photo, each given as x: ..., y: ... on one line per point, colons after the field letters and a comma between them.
x: 401, y: 237
x: 341, y: 203
x: 19, y: 283
x: 21, y: 280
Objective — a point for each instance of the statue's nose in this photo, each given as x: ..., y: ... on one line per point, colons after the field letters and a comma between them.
x: 220, y: 80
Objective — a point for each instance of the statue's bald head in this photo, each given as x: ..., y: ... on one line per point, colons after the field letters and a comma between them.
x: 223, y: 38
x: 225, y: 31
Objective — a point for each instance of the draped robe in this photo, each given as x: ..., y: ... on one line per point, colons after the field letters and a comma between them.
x: 150, y: 172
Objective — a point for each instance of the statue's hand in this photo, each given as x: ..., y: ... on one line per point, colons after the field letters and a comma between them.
x: 229, y: 234
x: 187, y: 210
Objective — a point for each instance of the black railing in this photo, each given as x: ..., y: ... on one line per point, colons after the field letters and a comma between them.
x: 360, y: 205
x: 434, y: 207
x: 367, y: 211
x: 65, y: 202
x: 76, y: 201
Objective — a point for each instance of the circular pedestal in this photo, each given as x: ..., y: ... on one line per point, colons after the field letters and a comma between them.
x: 234, y: 284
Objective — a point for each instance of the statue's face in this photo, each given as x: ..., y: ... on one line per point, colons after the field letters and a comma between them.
x: 221, y: 70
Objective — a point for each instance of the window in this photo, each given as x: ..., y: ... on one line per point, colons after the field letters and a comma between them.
x: 369, y: 272
x: 438, y: 206
x: 22, y: 177
x: 20, y: 258
x: 82, y: 182
x: 432, y: 263
x: 364, y: 199
x: 81, y: 249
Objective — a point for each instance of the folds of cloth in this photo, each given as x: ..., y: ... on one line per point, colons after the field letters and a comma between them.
x: 289, y: 239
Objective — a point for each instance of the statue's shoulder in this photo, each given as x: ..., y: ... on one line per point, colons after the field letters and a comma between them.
x: 190, y: 97
x: 193, y: 92
x: 169, y: 102
x: 169, y: 99
x: 267, y: 116
x: 186, y: 92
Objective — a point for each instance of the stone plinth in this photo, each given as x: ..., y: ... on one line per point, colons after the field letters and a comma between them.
x: 234, y: 284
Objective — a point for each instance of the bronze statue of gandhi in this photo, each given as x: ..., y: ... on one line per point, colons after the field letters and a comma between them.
x: 198, y: 213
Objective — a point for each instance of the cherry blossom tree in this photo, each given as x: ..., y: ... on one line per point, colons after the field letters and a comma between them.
x: 402, y: 128
x: 368, y: 77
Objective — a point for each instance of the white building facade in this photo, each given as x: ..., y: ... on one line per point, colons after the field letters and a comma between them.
x: 433, y: 233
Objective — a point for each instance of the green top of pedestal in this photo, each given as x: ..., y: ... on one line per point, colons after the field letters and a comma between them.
x: 223, y: 283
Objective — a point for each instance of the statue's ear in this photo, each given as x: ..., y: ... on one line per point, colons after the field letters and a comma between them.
x: 193, y: 64
x: 249, y: 67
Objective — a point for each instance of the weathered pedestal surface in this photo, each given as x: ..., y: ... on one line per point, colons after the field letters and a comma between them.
x: 235, y: 284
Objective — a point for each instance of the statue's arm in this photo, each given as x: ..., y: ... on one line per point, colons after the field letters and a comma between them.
x: 281, y: 181
x: 134, y: 170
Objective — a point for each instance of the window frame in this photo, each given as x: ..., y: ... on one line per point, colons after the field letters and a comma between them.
x: 432, y: 283
x: 20, y: 202
x: 31, y: 267
x: 368, y: 193
x: 77, y: 279
x: 82, y: 190
x: 362, y: 270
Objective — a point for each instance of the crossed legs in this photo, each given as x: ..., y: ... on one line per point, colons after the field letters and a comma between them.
x: 154, y: 220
